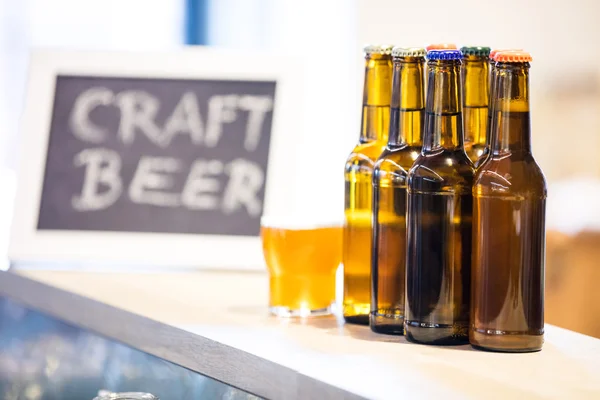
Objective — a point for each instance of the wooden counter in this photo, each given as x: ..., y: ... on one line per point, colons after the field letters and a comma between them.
x: 283, y: 359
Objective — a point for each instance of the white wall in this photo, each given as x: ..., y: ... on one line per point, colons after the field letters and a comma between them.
x: 565, y: 79
x: 328, y: 36
x: 81, y: 24
x: 321, y: 35
x: 562, y: 37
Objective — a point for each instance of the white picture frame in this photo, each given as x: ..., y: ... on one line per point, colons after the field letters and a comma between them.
x: 77, y: 249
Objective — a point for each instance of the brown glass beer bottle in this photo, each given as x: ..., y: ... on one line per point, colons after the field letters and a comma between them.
x: 491, y: 85
x: 509, y: 194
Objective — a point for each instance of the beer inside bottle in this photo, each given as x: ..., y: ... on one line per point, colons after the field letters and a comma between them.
x: 475, y: 79
x: 358, y: 174
x: 509, y: 193
x: 491, y: 85
x: 440, y: 205
x: 389, y: 191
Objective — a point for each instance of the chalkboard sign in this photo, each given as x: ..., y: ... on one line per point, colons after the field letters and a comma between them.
x: 153, y: 158
x: 157, y: 155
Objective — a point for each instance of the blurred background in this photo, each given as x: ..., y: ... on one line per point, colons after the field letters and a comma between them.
x: 326, y: 37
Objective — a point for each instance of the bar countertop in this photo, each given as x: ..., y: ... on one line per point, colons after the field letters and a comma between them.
x: 216, y: 323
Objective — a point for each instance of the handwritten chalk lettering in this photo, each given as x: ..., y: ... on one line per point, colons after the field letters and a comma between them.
x: 102, y: 168
x: 79, y: 120
x: 245, y: 181
x: 152, y: 183
x: 221, y: 110
x: 257, y: 106
x: 185, y: 119
x: 139, y: 110
x: 151, y: 177
x: 201, y: 185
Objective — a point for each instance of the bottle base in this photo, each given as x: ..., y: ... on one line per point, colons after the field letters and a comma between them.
x: 286, y: 312
x: 356, y: 313
x: 357, y: 319
x: 387, y: 324
x: 505, y: 342
x: 436, y: 334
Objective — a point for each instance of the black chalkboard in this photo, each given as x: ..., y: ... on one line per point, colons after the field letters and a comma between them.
x: 157, y: 155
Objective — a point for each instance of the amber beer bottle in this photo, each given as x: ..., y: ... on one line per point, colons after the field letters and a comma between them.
x: 389, y: 191
x: 491, y: 85
x: 356, y: 255
x: 438, y: 266
x: 475, y: 80
x: 509, y: 193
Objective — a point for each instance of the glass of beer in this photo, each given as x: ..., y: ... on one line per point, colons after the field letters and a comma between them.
x: 302, y: 258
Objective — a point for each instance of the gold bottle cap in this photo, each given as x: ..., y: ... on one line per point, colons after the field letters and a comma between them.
x: 408, y: 52
x: 378, y: 49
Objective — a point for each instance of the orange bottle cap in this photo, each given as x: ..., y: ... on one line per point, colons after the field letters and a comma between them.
x: 493, y: 52
x: 442, y: 46
x: 512, y: 56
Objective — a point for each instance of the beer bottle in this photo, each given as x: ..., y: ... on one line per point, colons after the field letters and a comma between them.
x: 488, y: 138
x: 356, y: 255
x: 438, y: 263
x: 475, y: 80
x: 389, y: 191
x: 509, y: 193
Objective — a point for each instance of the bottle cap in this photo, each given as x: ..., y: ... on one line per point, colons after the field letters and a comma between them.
x: 408, y: 52
x: 513, y: 56
x: 493, y: 52
x: 476, y: 51
x: 442, y: 46
x: 444, y: 55
x: 378, y: 49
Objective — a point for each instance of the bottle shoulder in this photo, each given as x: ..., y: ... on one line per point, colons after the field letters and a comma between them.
x: 445, y: 170
x: 364, y: 156
x: 510, y: 175
x: 475, y: 152
x: 404, y: 156
x: 394, y: 164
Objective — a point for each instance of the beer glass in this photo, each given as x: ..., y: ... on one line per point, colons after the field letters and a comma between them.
x: 302, y: 257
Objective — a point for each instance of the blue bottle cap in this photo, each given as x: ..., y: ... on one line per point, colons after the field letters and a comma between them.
x: 444, y: 55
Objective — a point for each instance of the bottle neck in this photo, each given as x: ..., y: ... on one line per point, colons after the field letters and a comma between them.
x: 492, y: 86
x: 376, y: 99
x: 475, y: 74
x: 491, y: 70
x: 444, y: 128
x: 511, y: 126
x: 408, y: 103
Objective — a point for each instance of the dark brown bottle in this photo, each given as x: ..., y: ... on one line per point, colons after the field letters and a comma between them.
x: 389, y: 191
x: 438, y: 266
x: 491, y: 86
x: 509, y: 192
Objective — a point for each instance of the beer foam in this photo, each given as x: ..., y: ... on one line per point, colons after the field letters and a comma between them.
x: 301, y: 222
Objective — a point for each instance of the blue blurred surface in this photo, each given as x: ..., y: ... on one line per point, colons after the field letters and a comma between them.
x: 42, y: 358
